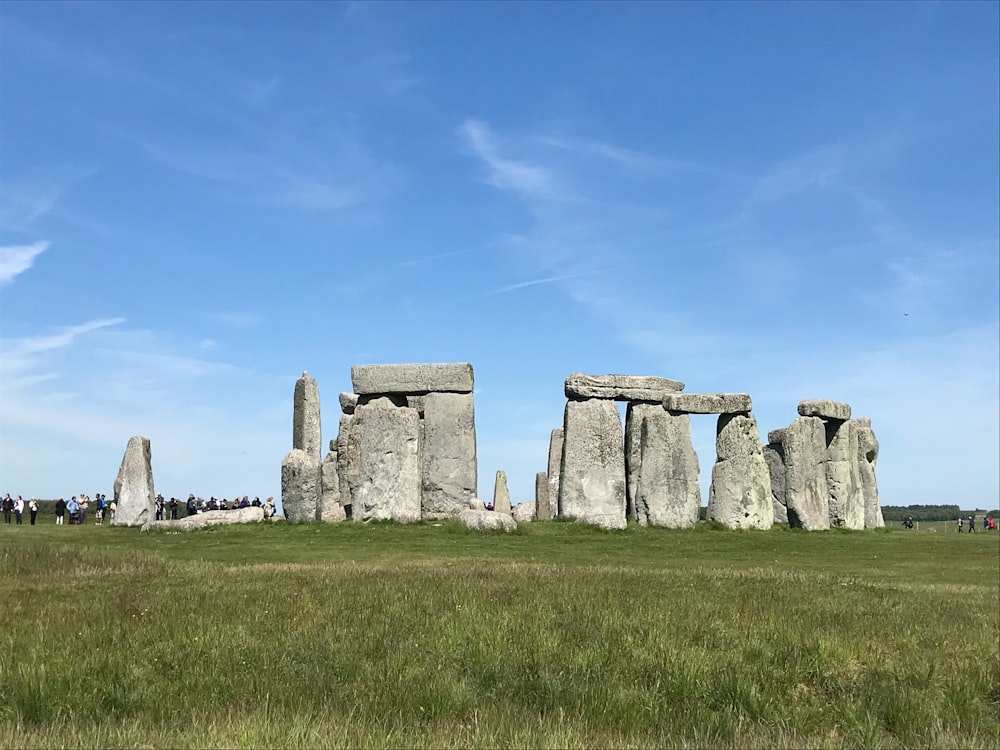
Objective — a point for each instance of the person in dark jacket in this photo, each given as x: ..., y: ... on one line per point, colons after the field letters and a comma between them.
x: 60, y: 511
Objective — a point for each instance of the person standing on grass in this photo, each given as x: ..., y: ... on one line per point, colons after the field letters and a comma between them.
x: 60, y: 511
x: 959, y: 522
x: 8, y: 507
x: 114, y: 509
x: 33, y: 509
x: 18, y: 509
x: 99, y: 511
x: 74, y: 509
x: 972, y: 524
x: 84, y: 507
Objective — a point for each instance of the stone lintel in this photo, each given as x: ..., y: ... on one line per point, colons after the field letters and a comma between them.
x: 620, y: 387
x: 707, y: 403
x: 824, y: 409
x: 454, y: 377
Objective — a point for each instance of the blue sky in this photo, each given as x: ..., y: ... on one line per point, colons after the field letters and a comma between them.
x: 198, y: 201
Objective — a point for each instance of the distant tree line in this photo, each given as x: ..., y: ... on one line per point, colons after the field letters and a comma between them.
x: 931, y: 512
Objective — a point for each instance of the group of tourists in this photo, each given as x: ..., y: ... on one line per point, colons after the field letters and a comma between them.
x: 195, y: 505
x: 79, y: 506
x: 15, y: 507
x: 989, y: 524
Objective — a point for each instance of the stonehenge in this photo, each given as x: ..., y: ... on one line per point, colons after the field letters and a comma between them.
x: 405, y: 447
x: 405, y: 450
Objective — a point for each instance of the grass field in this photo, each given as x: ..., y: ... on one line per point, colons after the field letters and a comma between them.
x: 558, y: 635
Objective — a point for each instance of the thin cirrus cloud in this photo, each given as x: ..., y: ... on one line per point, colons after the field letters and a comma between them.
x: 16, y: 259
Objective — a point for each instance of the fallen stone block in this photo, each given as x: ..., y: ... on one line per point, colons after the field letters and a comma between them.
x: 824, y: 409
x: 253, y: 514
x: 485, y: 520
x: 412, y: 378
x: 707, y: 403
x: 523, y: 512
x: 620, y: 387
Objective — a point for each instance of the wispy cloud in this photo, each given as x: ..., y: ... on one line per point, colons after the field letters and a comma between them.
x: 528, y: 179
x: 16, y: 259
x: 545, y: 280
x: 27, y: 198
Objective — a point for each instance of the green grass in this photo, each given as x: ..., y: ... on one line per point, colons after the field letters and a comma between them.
x: 558, y: 635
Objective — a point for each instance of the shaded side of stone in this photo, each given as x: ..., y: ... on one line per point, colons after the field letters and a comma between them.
x: 774, y: 457
x: 348, y: 461
x: 542, y: 512
x: 867, y: 457
x: 635, y: 415
x: 330, y: 509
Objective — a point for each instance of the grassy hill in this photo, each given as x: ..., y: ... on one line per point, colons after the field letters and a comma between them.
x: 558, y: 635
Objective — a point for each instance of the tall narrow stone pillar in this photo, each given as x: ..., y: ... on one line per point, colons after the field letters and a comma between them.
x: 774, y: 457
x: 867, y: 457
x: 636, y: 413
x: 501, y: 495
x: 740, y: 495
x: 843, y: 480
x: 542, y: 496
x: 306, y: 433
x: 555, y: 469
x: 133, y: 491
x: 330, y: 509
x: 592, y: 480
x: 301, y: 482
x: 348, y: 458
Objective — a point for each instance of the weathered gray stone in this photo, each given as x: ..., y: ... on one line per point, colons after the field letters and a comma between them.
x: 134, y: 493
x: 843, y: 479
x: 667, y: 491
x: 634, y: 413
x: 776, y: 436
x: 348, y: 402
x: 592, y: 482
x: 824, y: 408
x: 485, y: 520
x: 419, y: 403
x: 708, y: 403
x: 300, y: 486
x: 389, y: 465
x: 330, y: 509
x: 542, y: 512
x: 501, y: 497
x: 554, y: 469
x: 740, y: 494
x: 867, y: 457
x: 620, y: 387
x: 253, y: 514
x: 306, y: 433
x: 413, y: 379
x: 348, y: 460
x: 447, y: 453
x: 474, y: 503
x: 523, y: 512
x: 774, y: 457
x: 806, y: 495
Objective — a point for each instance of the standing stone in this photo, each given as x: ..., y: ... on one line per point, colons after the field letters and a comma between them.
x: 740, y: 494
x: 592, y: 480
x: 300, y: 486
x: 667, y: 491
x: 501, y: 497
x: 447, y: 454
x: 555, y: 468
x: 635, y: 413
x: 134, y: 485
x: 774, y: 457
x: 389, y: 465
x: 330, y: 509
x: 806, y: 496
x: 542, y: 512
x: 867, y: 457
x: 305, y: 418
x: 348, y: 460
x: 843, y: 478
